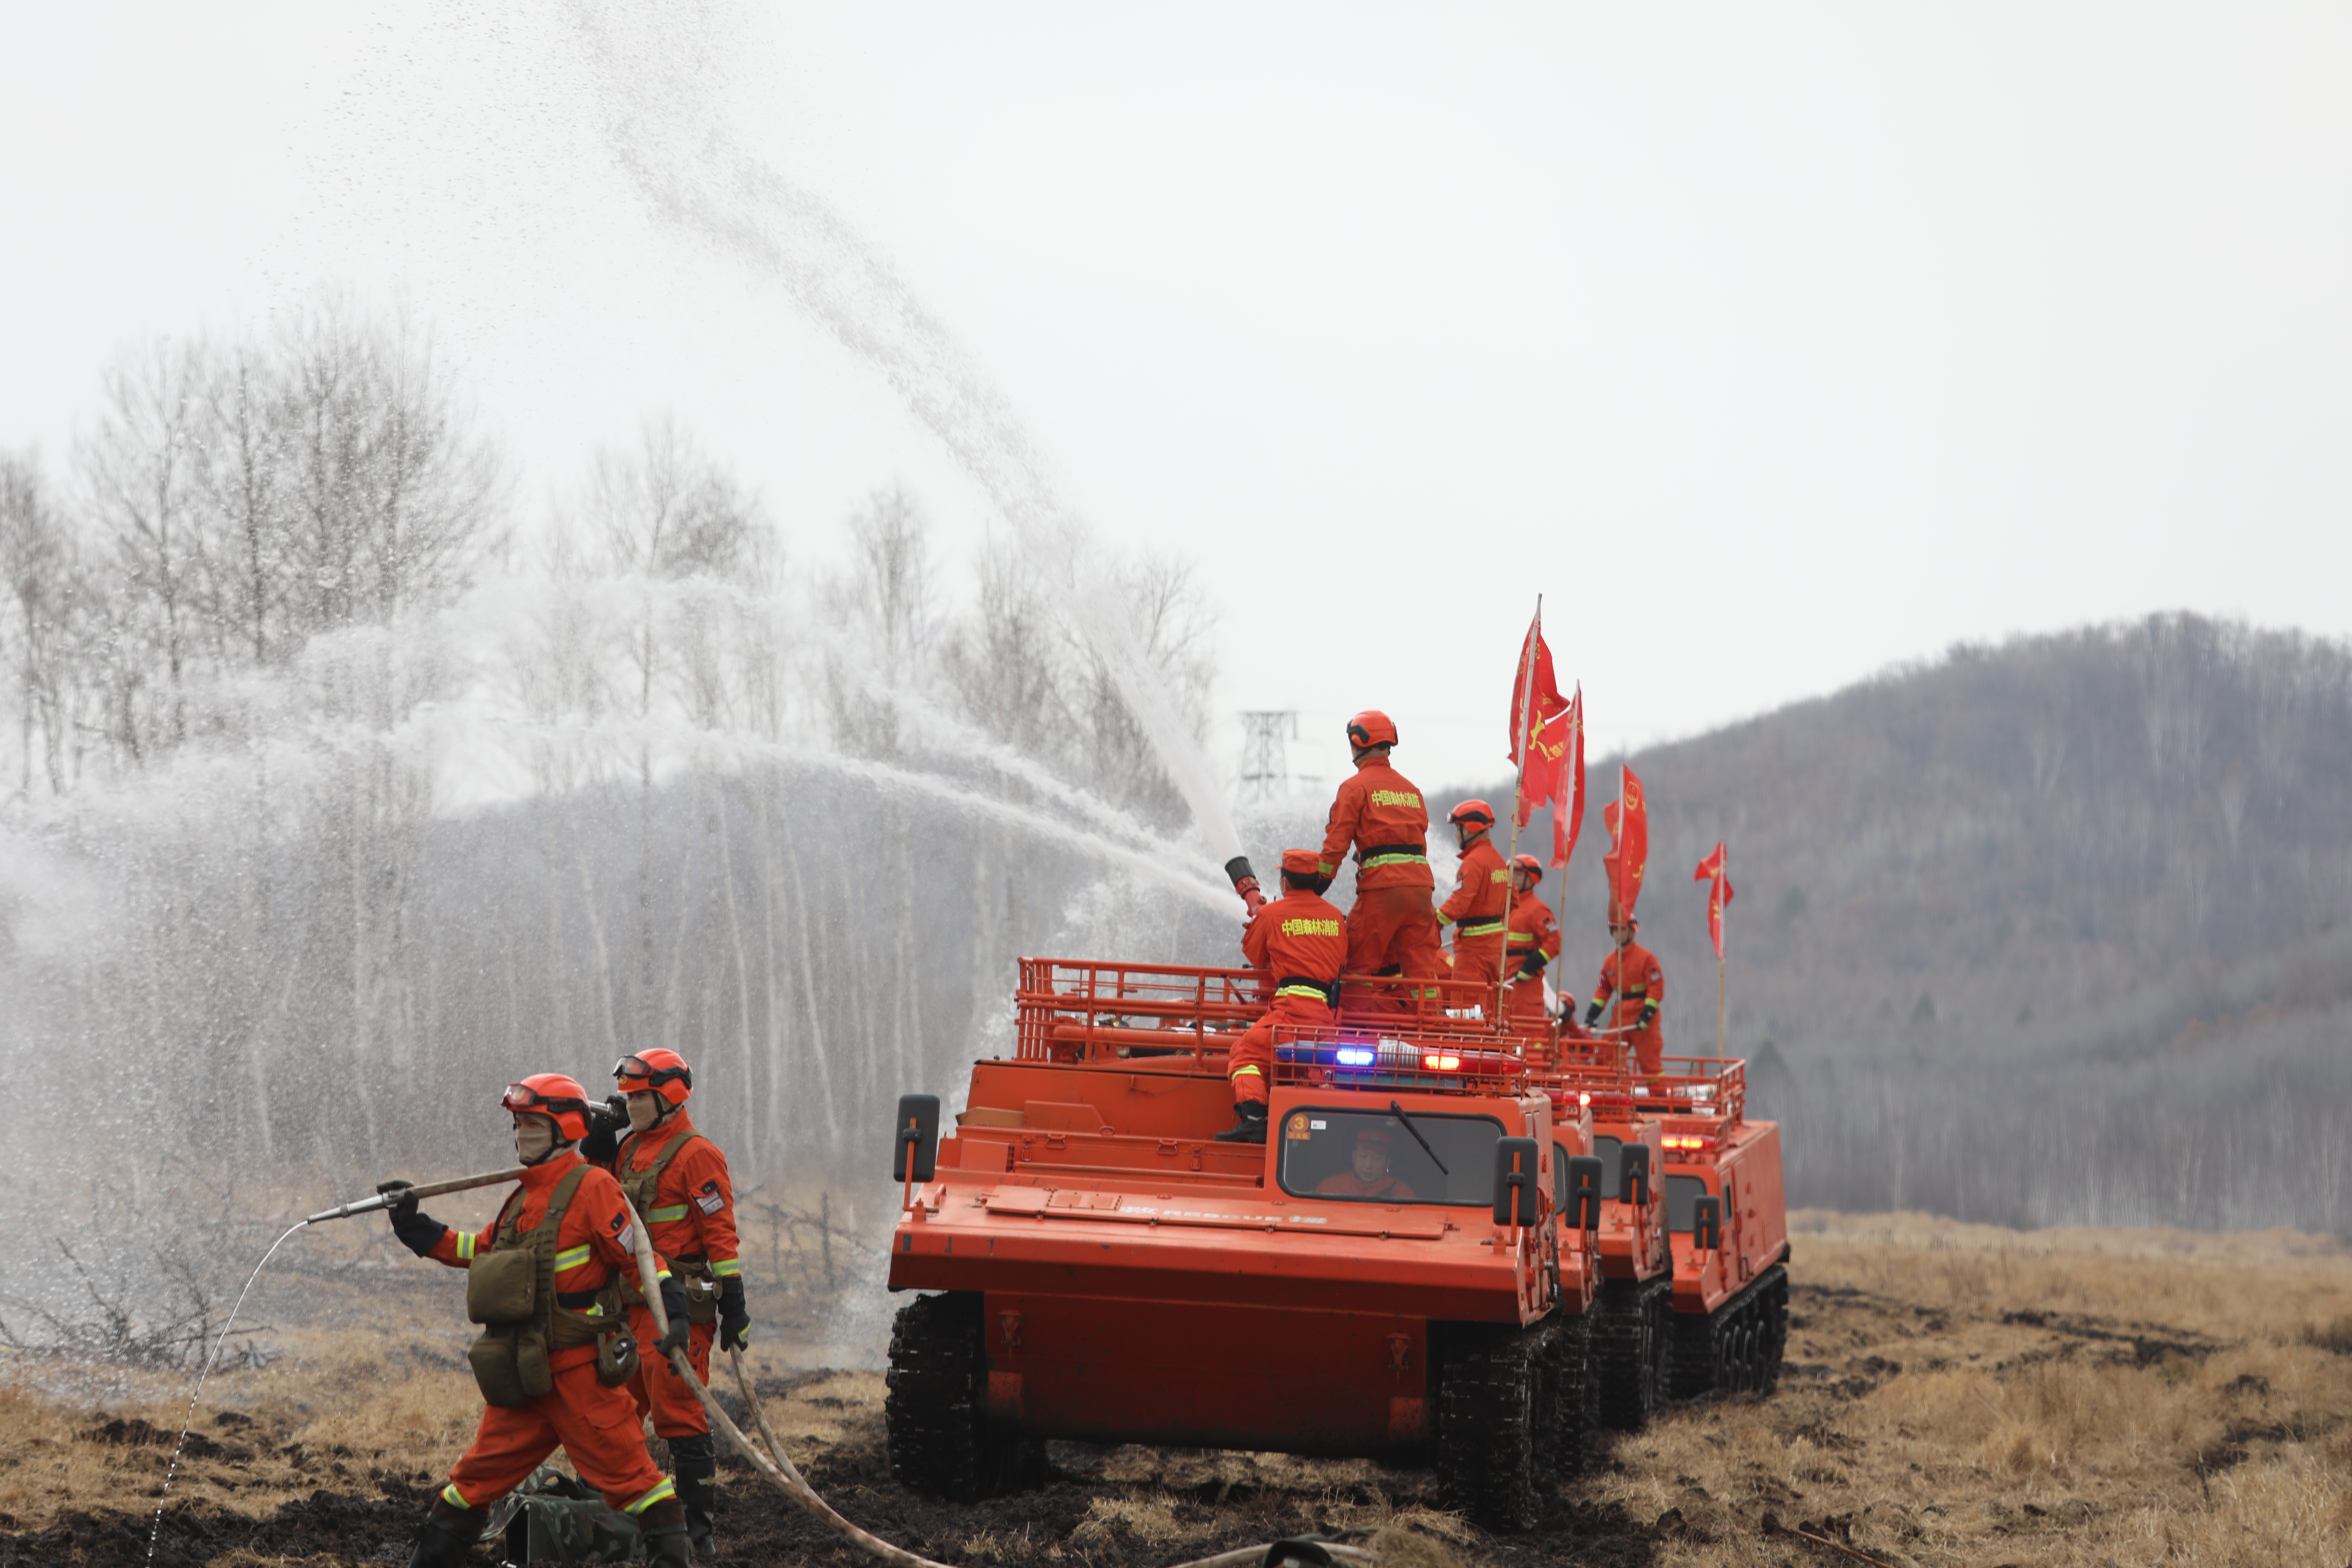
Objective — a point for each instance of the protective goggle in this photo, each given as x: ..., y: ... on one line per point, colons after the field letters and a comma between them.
x: 521, y: 1097
x: 643, y: 1073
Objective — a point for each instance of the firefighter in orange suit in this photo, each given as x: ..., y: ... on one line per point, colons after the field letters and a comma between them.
x: 1481, y: 896
x: 1392, y: 926
x: 677, y: 1179
x: 1632, y: 974
x: 1534, y: 938
x: 1302, y: 941
x: 570, y: 1215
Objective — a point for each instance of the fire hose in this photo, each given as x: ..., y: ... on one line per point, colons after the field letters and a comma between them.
x: 777, y: 1469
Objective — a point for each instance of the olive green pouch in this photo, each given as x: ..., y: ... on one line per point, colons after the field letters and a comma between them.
x: 492, y: 1357
x: 616, y: 1357
x: 503, y: 1287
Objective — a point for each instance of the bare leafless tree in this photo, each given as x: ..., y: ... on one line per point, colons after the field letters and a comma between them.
x: 37, y: 558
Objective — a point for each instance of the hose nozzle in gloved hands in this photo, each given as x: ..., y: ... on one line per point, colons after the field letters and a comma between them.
x: 418, y: 1231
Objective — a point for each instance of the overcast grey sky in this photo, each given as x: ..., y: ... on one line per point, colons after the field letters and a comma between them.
x: 1772, y: 344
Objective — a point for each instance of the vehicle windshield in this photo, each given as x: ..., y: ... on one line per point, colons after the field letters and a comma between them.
x: 1372, y: 1157
x: 1683, y: 1193
x: 1612, y: 1166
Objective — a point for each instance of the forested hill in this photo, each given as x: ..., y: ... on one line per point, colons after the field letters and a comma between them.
x: 2113, y: 864
x: 2057, y: 823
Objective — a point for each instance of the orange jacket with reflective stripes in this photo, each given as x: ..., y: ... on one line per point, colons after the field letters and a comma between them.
x: 1480, y: 891
x: 592, y: 1244
x: 693, y: 1212
x: 1644, y: 984
x: 1300, y: 936
x: 1379, y: 812
x: 1532, y: 930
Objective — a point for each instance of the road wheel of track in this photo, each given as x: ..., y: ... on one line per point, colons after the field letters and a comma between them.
x: 938, y: 1436
x: 1747, y: 1352
x: 1691, y: 1368
x: 1489, y: 1426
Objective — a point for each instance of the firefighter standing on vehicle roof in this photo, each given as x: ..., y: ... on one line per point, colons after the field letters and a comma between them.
x: 1303, y: 941
x: 1392, y: 926
x: 1481, y: 896
x: 543, y: 1276
x: 1534, y: 937
x: 677, y: 1179
x: 1632, y: 974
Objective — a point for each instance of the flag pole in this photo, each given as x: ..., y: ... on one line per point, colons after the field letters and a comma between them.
x: 1524, y: 706
x: 1722, y: 920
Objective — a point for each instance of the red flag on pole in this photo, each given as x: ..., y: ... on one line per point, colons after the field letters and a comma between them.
x: 1538, y: 730
x: 1628, y: 820
x: 1567, y: 786
x: 1713, y: 869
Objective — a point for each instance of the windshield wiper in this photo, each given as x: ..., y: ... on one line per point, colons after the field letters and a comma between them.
x: 1417, y: 1138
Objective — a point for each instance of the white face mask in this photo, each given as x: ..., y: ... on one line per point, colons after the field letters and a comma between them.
x: 534, y: 1136
x: 644, y: 1110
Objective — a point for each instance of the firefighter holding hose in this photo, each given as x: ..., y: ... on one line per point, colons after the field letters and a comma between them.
x: 1632, y: 974
x: 555, y: 1351
x: 677, y: 1179
x: 1302, y: 939
x: 1392, y: 926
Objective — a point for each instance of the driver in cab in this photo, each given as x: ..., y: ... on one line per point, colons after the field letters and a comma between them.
x: 1367, y: 1173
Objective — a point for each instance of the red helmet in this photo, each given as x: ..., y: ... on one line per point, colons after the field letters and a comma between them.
x: 1372, y: 727
x: 664, y: 1072
x: 1528, y: 864
x: 1471, y: 811
x: 555, y: 1096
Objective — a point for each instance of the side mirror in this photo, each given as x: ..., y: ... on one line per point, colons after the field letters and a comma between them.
x: 1516, y: 1175
x: 1633, y: 1170
x: 1584, y: 1191
x: 918, y: 1141
x: 1706, y: 1223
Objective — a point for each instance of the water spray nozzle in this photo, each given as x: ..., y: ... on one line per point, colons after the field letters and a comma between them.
x: 1245, y: 882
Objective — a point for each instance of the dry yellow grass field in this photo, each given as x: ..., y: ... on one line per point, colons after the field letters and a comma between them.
x: 1956, y: 1394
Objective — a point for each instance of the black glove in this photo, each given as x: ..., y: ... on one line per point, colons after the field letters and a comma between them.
x: 1592, y: 1015
x: 673, y: 1295
x: 420, y: 1233
x: 1322, y: 884
x: 1530, y: 966
x: 734, y: 1323
x: 1649, y: 1014
x: 605, y: 1123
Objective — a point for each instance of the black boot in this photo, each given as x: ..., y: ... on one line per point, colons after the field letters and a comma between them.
x: 1251, y: 1128
x: 447, y: 1535
x: 697, y: 1463
x: 663, y: 1526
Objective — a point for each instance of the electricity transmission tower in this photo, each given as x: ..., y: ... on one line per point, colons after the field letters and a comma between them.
x: 1265, y: 764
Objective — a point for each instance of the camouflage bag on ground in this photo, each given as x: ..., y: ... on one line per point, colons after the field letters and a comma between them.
x: 551, y: 1517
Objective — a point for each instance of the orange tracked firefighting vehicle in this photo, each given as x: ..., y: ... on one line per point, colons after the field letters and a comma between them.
x: 1695, y: 1241
x: 1408, y: 1264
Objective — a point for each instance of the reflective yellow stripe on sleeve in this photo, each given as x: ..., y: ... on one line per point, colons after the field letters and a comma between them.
x: 665, y: 1215
x: 726, y: 1267
x: 465, y: 1243
x: 666, y: 1490
x: 570, y: 1258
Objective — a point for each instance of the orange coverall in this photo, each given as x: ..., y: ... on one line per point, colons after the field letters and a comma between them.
x: 1531, y: 931
x: 1476, y: 910
x: 1346, y: 1185
x: 1301, y: 938
x: 692, y: 1216
x: 598, y: 1426
x: 1392, y: 926
x: 1643, y: 992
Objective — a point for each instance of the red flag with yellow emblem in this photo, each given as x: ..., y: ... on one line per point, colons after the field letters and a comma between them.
x: 1628, y: 820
